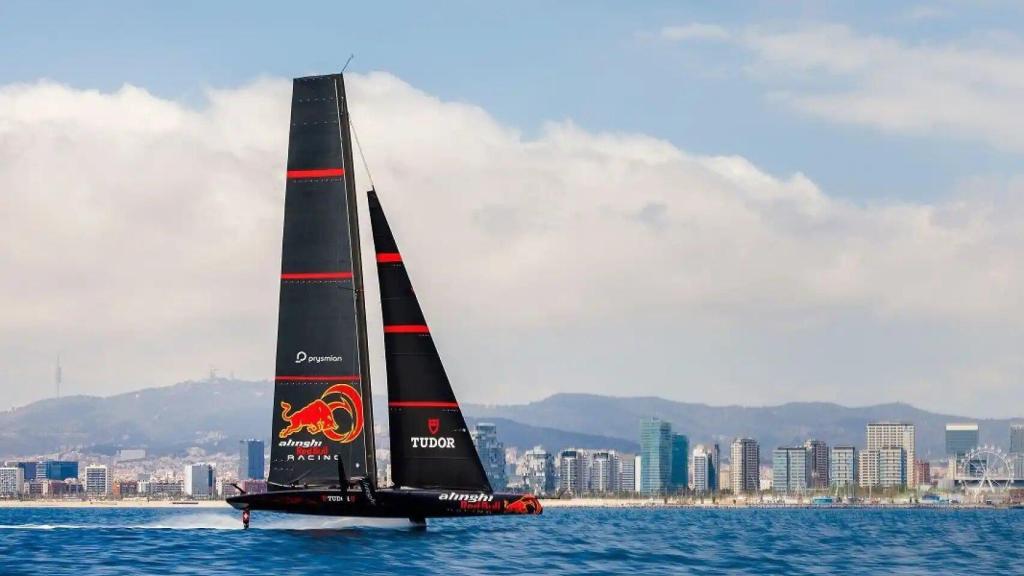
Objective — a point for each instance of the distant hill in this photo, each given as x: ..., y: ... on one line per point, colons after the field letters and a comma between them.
x: 784, y: 425
x: 215, y: 414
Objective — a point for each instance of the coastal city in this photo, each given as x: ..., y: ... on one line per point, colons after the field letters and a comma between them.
x: 668, y: 469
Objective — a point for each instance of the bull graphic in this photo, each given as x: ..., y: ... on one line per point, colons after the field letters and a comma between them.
x: 317, y: 417
x: 525, y: 505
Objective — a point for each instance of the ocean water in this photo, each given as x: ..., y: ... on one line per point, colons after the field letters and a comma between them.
x: 592, y: 541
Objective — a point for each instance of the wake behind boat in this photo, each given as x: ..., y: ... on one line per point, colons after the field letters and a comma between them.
x: 322, y: 458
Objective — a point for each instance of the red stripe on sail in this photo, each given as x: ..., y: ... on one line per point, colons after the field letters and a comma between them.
x: 423, y: 404
x: 347, y: 378
x: 316, y: 173
x: 316, y: 275
x: 388, y: 257
x: 407, y: 329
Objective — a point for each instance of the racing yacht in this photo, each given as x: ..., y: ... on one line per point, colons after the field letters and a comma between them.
x: 322, y: 458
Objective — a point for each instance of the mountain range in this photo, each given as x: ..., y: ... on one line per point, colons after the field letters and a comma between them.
x: 215, y: 414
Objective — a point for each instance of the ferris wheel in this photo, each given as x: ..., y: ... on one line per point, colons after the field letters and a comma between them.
x: 986, y: 469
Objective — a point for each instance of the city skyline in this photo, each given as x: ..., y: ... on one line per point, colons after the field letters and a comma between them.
x: 796, y: 273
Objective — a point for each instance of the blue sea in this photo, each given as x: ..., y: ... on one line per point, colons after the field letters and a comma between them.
x: 570, y: 541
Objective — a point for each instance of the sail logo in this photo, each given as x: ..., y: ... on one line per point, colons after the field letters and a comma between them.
x: 317, y: 417
x: 302, y: 357
x: 431, y: 442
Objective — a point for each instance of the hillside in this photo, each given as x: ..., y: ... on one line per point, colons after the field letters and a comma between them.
x: 216, y: 414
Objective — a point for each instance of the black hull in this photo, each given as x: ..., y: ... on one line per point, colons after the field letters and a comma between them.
x: 388, y: 503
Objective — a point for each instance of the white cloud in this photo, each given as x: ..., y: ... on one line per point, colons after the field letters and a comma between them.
x: 141, y: 236
x: 969, y: 90
x: 695, y: 31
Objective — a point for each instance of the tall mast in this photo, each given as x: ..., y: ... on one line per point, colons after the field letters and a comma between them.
x: 357, y: 279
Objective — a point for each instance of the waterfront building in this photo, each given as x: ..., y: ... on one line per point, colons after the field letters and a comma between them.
x: 56, y: 470
x: 604, y: 472
x: 1017, y: 438
x: 961, y: 439
x: 923, y: 472
x: 126, y: 489
x: 627, y: 473
x: 702, y: 470
x: 98, y: 481
x: 637, y: 473
x: 12, y: 481
x: 817, y: 464
x: 29, y: 469
x: 884, y: 468
x: 253, y: 486
x: 162, y: 488
x: 656, y: 452
x: 491, y: 452
x: 250, y: 460
x: 883, y: 436
x: 790, y: 470
x: 843, y: 466
x: 538, y: 471
x: 716, y: 480
x: 745, y: 462
x: 572, y: 471
x: 200, y: 480
x: 679, y: 477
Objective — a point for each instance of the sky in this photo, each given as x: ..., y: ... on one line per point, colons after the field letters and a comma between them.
x: 730, y: 203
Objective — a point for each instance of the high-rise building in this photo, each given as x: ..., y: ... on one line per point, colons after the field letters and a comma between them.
x: 961, y: 439
x: 637, y: 473
x: 923, y: 472
x: 200, y: 480
x: 56, y: 470
x: 627, y: 473
x: 843, y: 466
x: 656, y: 452
x: 538, y: 471
x: 98, y: 480
x: 744, y: 463
x: 12, y: 481
x: 790, y: 470
x: 604, y: 471
x: 29, y: 469
x: 572, y: 471
x: 679, y: 478
x: 1016, y: 438
x: 887, y: 436
x: 817, y: 464
x: 884, y: 468
x: 702, y: 470
x: 716, y: 480
x: 250, y: 459
x: 491, y: 452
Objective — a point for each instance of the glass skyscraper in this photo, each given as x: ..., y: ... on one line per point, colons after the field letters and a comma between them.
x: 961, y: 439
x: 491, y: 452
x: 679, y: 478
x: 250, y: 460
x: 656, y: 456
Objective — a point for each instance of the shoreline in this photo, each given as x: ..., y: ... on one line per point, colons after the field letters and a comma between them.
x: 546, y: 502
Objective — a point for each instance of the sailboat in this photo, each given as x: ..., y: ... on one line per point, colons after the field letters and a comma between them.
x: 323, y: 458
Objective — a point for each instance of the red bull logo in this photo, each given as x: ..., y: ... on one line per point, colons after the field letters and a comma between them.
x: 528, y: 504
x: 317, y: 417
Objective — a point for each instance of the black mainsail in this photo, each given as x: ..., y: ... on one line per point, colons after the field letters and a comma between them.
x: 322, y: 410
x: 430, y: 443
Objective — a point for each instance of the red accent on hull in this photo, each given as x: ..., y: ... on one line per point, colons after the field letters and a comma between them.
x: 407, y: 329
x: 316, y: 173
x: 423, y: 404
x: 316, y: 276
x: 388, y: 257
x: 347, y: 378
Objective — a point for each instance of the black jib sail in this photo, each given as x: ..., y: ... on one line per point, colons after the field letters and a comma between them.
x: 323, y: 426
x: 430, y: 444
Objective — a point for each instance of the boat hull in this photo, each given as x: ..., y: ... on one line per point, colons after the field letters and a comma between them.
x: 389, y: 503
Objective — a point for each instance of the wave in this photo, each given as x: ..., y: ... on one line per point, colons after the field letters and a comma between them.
x: 210, y: 521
